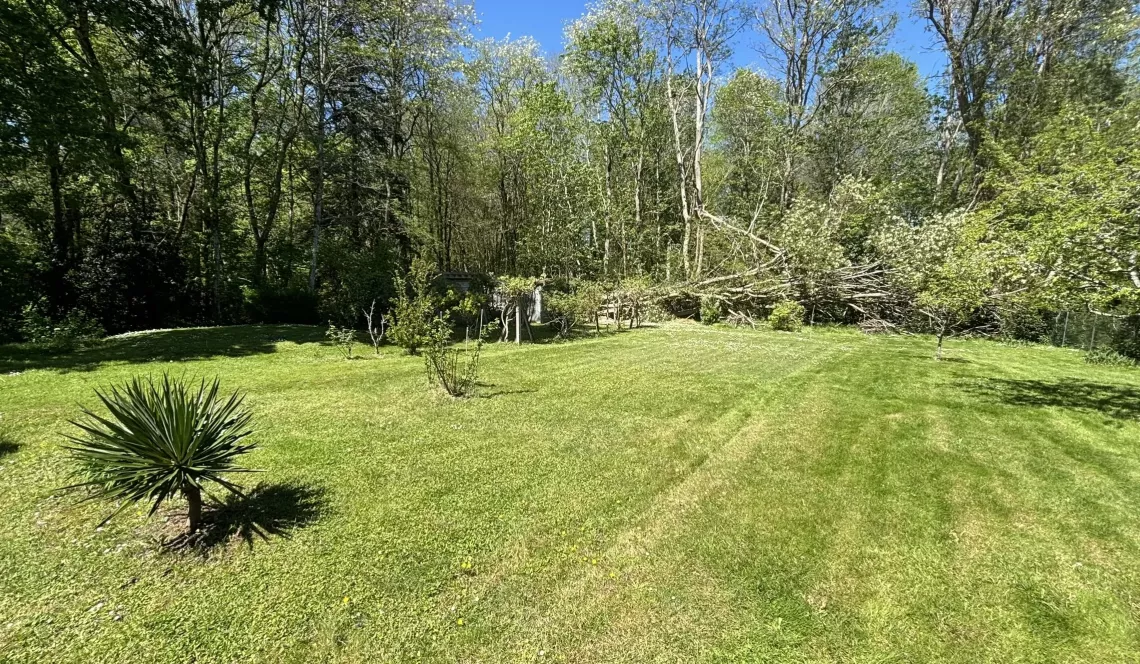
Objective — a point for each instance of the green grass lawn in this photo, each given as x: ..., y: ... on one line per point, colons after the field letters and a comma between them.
x: 671, y: 494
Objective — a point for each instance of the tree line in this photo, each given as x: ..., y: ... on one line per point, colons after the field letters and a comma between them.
x: 177, y: 162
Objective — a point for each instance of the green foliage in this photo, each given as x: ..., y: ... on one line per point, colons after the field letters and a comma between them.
x: 353, y: 278
x: 748, y: 122
x: 416, y: 305
x: 516, y: 287
x: 787, y: 316
x: 343, y: 338
x: 75, y: 330
x: 1066, y: 209
x: 573, y: 304
x: 129, y: 280
x: 159, y: 440
x: 1021, y: 322
x: 945, y: 264
x: 1109, y: 357
x: 710, y: 310
x: 464, y: 309
x: 634, y: 294
x: 565, y: 311
x: 280, y: 304
x: 18, y: 277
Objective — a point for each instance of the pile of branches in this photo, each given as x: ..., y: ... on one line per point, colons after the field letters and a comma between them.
x: 851, y: 293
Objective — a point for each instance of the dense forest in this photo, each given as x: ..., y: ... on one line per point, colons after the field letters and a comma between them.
x: 178, y: 162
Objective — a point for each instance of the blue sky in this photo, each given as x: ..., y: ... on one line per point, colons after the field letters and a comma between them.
x: 545, y: 19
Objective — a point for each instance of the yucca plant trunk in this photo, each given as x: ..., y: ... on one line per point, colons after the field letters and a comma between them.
x: 194, y: 513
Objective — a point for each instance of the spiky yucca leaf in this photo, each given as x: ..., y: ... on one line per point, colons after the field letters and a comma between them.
x: 160, y: 439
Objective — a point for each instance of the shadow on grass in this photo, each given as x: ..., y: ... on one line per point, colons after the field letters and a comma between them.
x: 497, y: 392
x: 546, y: 333
x: 1117, y: 401
x: 163, y: 346
x: 268, y: 510
x: 7, y: 446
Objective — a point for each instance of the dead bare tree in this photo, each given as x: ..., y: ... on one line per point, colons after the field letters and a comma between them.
x: 375, y: 332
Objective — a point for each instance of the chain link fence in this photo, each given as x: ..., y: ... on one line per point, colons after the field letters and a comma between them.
x: 1082, y: 329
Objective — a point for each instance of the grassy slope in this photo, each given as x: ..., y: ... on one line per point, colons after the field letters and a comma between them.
x: 669, y: 495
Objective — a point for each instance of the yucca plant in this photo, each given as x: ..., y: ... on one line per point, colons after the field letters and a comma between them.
x: 161, y: 439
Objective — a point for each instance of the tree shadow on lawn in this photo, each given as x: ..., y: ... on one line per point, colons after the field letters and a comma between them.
x: 267, y: 510
x: 7, y: 447
x: 1120, y: 402
x: 946, y: 359
x: 480, y: 393
x: 162, y: 346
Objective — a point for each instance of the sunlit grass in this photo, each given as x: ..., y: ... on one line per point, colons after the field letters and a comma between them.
x: 675, y: 494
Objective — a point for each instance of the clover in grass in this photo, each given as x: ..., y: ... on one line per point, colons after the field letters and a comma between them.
x: 161, y: 439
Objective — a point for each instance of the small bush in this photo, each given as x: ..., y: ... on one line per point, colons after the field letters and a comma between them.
x: 573, y: 304
x: 465, y: 309
x: 75, y: 330
x: 159, y: 440
x: 787, y: 316
x: 343, y: 338
x: 1109, y: 357
x: 564, y: 312
x: 411, y: 326
x: 456, y: 370
x: 710, y: 311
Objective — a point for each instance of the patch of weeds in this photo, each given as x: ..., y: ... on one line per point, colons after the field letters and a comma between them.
x: 1109, y: 357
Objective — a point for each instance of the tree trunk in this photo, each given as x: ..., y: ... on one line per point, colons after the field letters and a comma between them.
x: 194, y: 508
x: 61, y: 234
x: 260, y: 259
x: 319, y: 176
x: 518, y: 320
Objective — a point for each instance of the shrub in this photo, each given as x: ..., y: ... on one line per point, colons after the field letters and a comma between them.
x: 787, y: 316
x: 456, y: 370
x: 710, y: 310
x: 75, y: 330
x: 343, y: 338
x: 1109, y: 357
x: 567, y: 311
x: 465, y: 309
x: 411, y: 327
x: 573, y: 304
x: 159, y: 440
